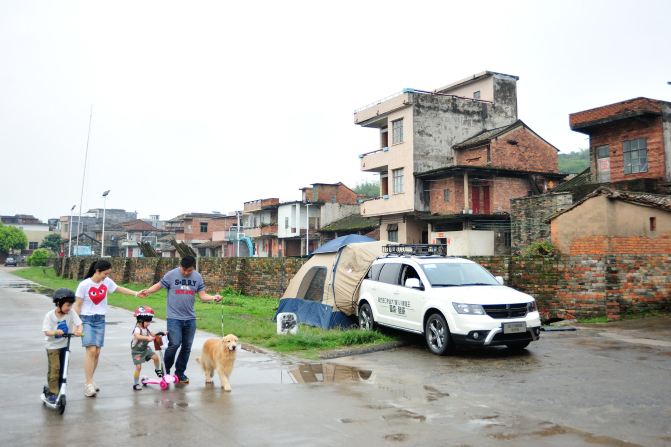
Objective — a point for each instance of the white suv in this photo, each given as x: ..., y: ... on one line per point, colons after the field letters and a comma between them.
x: 452, y: 301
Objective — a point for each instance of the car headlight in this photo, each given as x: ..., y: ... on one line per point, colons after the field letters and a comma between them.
x: 531, y: 307
x: 470, y: 309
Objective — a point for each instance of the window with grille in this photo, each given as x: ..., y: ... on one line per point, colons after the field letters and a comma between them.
x: 203, y: 227
x: 392, y: 232
x: 635, y: 156
x: 397, y: 178
x: 397, y: 131
x: 446, y: 195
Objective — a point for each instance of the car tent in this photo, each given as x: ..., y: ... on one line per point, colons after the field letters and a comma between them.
x: 325, y: 290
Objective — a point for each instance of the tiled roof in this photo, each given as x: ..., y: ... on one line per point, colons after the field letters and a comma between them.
x: 352, y: 222
x: 659, y: 201
x: 580, y: 179
x: 611, y: 112
x: 138, y: 225
x: 486, y: 136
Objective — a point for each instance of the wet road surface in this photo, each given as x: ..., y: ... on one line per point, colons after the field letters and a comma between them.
x: 591, y: 387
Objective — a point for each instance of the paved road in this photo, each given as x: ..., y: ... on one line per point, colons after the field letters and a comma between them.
x: 569, y: 389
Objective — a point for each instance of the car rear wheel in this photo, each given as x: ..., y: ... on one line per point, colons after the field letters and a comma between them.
x: 519, y: 346
x: 437, y: 335
x: 366, y: 320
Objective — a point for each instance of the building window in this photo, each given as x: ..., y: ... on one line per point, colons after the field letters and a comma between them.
x: 476, y: 95
x: 392, y: 232
x: 397, y: 131
x: 286, y: 223
x: 32, y: 245
x: 446, y: 195
x: 653, y: 223
x: 333, y: 198
x: 203, y: 227
x: 635, y: 156
x: 397, y: 176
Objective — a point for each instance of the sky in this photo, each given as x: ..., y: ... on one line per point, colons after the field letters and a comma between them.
x: 200, y: 106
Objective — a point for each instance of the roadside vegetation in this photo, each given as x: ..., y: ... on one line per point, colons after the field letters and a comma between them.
x: 574, y: 162
x: 626, y: 317
x: 249, y: 317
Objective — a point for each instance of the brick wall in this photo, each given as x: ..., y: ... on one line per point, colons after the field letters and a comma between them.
x: 565, y: 286
x: 531, y: 153
x: 528, y: 216
x: 616, y: 133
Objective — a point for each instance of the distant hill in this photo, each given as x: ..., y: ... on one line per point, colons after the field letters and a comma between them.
x: 574, y: 162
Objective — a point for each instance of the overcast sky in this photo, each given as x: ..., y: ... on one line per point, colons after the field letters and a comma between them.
x: 199, y: 106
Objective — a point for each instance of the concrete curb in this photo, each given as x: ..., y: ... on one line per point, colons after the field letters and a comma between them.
x: 346, y: 352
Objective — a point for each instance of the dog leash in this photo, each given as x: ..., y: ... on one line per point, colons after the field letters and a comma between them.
x: 222, y: 318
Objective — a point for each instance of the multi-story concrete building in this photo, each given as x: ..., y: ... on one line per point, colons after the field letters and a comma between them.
x: 418, y: 130
x: 34, y: 229
x: 259, y: 220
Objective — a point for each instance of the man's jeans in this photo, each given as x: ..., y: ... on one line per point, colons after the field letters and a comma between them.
x: 180, y: 333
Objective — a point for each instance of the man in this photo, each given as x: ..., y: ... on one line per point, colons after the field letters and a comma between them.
x: 182, y: 283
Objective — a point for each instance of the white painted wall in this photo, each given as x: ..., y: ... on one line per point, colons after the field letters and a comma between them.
x: 467, y: 242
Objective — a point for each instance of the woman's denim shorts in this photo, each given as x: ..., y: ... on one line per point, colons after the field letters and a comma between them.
x: 94, y: 330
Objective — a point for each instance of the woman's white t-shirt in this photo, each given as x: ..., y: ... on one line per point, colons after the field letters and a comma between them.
x: 94, y: 295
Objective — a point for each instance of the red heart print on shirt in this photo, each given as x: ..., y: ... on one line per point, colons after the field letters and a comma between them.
x: 98, y: 294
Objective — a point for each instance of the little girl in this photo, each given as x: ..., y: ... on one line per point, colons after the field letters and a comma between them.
x: 139, y: 346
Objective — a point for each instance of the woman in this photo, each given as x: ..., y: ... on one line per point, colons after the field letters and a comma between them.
x: 91, y: 306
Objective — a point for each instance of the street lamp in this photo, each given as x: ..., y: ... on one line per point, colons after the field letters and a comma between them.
x: 70, y: 232
x: 102, y: 250
x: 307, y: 229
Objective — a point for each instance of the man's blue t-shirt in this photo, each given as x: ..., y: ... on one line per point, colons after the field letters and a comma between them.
x: 182, y: 293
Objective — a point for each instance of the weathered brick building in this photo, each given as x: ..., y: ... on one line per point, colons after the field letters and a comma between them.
x: 608, y: 221
x: 629, y: 140
x: 469, y: 203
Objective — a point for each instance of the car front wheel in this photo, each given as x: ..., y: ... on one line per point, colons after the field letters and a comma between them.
x: 438, y: 335
x: 366, y: 320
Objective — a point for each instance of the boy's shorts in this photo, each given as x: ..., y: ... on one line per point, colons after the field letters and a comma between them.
x: 94, y: 330
x: 139, y: 357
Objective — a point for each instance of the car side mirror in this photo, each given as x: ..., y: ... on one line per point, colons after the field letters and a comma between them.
x: 500, y: 280
x: 413, y: 283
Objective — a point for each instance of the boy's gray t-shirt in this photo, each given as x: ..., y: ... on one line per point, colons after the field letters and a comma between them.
x: 182, y: 293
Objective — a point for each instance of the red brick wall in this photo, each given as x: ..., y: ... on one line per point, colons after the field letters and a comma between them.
x: 476, y: 156
x: 530, y: 153
x: 501, y: 190
x: 325, y: 193
x: 621, y: 245
x: 616, y: 133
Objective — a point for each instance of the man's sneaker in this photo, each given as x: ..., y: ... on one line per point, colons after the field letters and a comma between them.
x: 183, y: 379
x: 89, y: 390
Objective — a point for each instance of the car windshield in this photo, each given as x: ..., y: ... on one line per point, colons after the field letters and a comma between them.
x: 458, y: 274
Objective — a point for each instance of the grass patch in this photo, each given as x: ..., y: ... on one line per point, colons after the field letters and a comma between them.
x: 249, y: 317
x: 625, y: 316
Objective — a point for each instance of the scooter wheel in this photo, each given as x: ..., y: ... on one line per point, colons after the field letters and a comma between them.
x: 61, y: 405
x: 164, y: 385
x: 176, y: 380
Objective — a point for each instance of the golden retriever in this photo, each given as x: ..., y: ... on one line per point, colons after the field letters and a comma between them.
x: 219, y: 354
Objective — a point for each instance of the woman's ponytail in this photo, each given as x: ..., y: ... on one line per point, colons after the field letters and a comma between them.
x: 99, y: 265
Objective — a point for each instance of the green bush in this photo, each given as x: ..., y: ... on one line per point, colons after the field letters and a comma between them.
x: 39, y: 257
x: 540, y: 248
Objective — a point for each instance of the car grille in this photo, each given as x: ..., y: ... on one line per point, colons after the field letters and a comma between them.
x: 500, y: 311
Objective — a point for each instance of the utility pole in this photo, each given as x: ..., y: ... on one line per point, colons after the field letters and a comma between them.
x: 70, y: 232
x: 102, y: 250
x: 81, y: 194
x: 307, y: 229
x: 237, y: 213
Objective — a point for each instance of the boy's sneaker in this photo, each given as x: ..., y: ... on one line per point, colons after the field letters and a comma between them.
x: 159, y: 373
x: 89, y: 390
x: 51, y: 398
x: 183, y: 379
x: 95, y: 385
x: 137, y: 387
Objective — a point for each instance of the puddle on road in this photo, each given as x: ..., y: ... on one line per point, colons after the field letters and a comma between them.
x: 27, y: 287
x: 328, y: 373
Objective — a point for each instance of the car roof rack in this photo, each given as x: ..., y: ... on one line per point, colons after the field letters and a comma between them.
x: 415, y: 249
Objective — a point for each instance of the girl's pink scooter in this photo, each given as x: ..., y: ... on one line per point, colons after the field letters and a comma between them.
x: 165, y: 381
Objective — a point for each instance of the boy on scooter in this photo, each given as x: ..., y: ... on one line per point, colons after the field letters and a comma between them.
x: 58, y: 322
x: 139, y: 347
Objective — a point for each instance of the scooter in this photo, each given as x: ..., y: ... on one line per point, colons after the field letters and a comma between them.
x: 167, y: 379
x: 59, y: 403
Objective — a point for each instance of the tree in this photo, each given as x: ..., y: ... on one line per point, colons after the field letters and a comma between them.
x: 12, y: 238
x: 574, y: 162
x: 39, y: 257
x: 53, y: 242
x: 369, y: 189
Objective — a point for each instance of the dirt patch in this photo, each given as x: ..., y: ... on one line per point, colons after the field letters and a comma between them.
x: 396, y: 437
